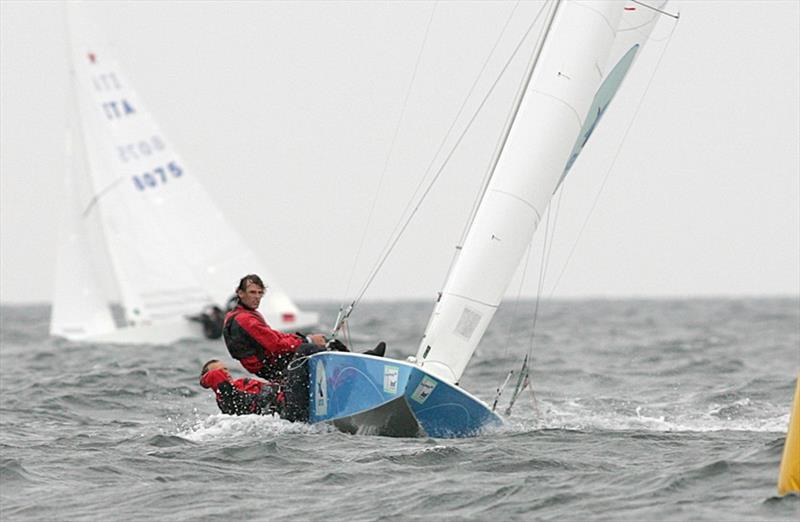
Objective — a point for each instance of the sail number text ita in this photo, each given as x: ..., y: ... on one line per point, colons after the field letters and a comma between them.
x: 158, y: 176
x: 114, y: 109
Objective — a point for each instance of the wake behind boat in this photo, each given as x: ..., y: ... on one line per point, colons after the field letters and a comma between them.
x: 144, y: 255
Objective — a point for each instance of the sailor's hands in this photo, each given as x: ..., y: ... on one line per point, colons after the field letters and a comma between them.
x: 317, y: 339
x: 337, y: 346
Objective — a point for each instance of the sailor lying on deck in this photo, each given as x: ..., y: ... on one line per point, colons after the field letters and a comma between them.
x: 248, y: 396
x: 241, y: 396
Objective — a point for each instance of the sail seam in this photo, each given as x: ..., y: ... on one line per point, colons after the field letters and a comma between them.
x: 577, y: 116
x: 477, y: 301
x: 598, y: 13
x: 514, y: 196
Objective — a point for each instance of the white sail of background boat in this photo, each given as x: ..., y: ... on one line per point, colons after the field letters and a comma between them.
x: 142, y: 246
x: 587, y: 49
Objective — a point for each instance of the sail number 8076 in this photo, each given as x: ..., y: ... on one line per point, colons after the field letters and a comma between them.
x: 158, y: 176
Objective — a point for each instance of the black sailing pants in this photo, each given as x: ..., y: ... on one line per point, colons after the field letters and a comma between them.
x: 297, y: 388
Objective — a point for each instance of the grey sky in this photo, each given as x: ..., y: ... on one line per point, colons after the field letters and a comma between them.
x: 287, y: 111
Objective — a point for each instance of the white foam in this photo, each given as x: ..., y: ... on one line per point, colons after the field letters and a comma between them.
x: 219, y: 427
x: 574, y: 415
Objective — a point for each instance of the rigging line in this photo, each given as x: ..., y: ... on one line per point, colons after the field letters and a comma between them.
x: 391, y: 148
x: 96, y: 197
x: 512, y: 116
x: 614, y: 161
x: 523, y: 381
x: 500, y: 389
x: 676, y: 17
x: 500, y: 140
x: 542, y: 265
x: 546, y: 262
x: 553, y: 231
x: 455, y: 120
x: 72, y: 124
x: 529, y: 355
x: 441, y: 168
x: 516, y: 302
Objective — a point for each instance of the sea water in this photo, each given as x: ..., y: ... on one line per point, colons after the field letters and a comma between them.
x: 639, y: 410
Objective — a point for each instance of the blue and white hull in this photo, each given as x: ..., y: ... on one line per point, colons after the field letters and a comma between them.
x: 378, y: 396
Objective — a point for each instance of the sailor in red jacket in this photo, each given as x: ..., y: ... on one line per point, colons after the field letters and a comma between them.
x: 243, y: 396
x: 267, y: 353
x: 250, y: 340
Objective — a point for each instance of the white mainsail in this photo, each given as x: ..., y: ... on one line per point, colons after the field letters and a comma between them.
x: 586, y: 40
x: 170, y: 250
x: 80, y: 304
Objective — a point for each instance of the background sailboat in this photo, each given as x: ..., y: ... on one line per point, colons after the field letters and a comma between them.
x: 585, y: 51
x: 138, y: 229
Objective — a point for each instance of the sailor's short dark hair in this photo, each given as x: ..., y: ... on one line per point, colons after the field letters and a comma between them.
x: 250, y: 278
x: 206, y: 365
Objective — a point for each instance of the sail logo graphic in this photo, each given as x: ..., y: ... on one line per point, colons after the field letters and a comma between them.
x: 390, y: 379
x: 320, y: 390
x: 602, y: 98
x: 424, y: 390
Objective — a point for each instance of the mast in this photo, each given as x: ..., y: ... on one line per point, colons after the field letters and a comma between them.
x: 548, y: 24
x: 518, y: 101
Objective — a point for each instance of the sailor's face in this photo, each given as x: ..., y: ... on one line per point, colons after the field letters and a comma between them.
x: 220, y: 365
x: 251, y: 295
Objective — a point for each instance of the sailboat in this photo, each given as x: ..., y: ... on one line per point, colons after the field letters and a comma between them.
x: 585, y: 52
x: 144, y: 254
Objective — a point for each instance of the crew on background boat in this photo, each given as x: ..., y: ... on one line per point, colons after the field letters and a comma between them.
x: 212, y: 318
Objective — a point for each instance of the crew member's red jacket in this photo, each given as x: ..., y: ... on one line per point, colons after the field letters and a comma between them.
x: 261, y: 350
x: 243, y: 396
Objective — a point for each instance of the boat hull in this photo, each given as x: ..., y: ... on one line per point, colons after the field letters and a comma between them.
x: 378, y: 396
x: 181, y: 329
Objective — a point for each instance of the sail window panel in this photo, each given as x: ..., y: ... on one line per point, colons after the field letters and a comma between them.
x: 467, y: 323
x: 448, y: 349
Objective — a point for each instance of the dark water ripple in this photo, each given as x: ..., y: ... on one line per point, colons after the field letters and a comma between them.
x: 642, y: 410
